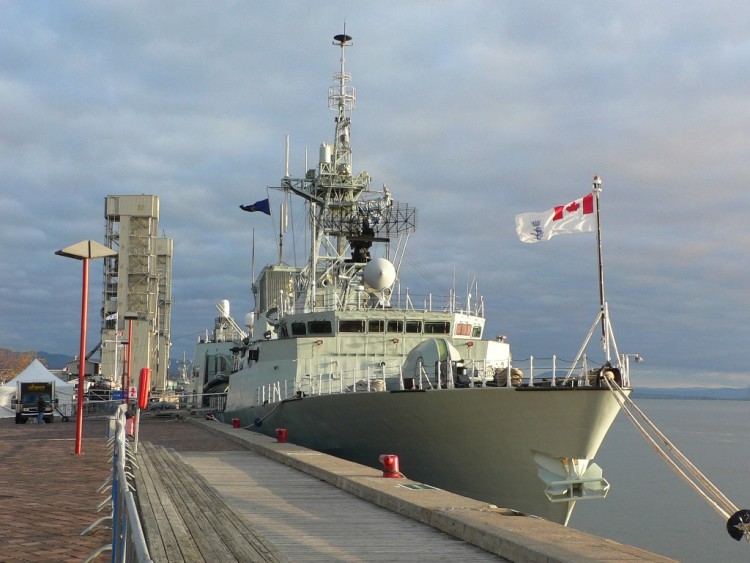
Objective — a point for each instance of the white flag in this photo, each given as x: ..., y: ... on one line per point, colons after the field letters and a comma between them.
x: 112, y: 317
x: 576, y: 217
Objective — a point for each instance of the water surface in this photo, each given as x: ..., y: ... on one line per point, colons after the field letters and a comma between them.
x: 649, y: 506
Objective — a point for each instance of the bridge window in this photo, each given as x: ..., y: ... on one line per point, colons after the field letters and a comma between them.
x: 476, y: 332
x: 375, y: 326
x: 299, y: 329
x: 414, y: 327
x: 395, y: 326
x: 351, y: 326
x: 319, y: 327
x: 443, y: 327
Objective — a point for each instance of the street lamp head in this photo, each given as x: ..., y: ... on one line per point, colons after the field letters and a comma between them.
x: 86, y: 249
x: 131, y: 315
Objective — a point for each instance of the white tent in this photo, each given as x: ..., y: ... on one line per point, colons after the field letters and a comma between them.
x: 35, y: 372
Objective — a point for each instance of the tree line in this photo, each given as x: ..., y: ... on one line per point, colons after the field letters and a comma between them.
x: 12, y: 363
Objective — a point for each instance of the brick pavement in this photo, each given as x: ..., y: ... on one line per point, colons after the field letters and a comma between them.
x: 48, y: 494
x: 178, y: 434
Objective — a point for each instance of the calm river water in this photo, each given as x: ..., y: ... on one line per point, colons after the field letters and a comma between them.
x: 649, y: 506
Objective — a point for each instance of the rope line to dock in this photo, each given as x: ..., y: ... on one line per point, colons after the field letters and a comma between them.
x: 710, y: 493
x: 259, y: 421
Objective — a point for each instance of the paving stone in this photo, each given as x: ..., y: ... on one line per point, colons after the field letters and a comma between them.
x: 54, y: 491
x: 48, y: 493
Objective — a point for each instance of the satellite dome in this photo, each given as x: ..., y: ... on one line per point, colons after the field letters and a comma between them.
x: 379, y: 274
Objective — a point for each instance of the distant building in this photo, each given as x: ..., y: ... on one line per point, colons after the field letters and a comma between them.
x: 139, y: 281
x: 70, y: 371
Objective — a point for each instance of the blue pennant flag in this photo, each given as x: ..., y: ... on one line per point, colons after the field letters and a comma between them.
x: 261, y: 205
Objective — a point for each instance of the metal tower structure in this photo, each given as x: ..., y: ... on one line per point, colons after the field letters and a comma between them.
x: 137, y: 284
x: 344, y: 213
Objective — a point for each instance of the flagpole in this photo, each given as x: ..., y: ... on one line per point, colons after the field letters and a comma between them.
x: 597, y: 189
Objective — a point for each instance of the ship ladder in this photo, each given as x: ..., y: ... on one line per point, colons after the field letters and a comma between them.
x: 737, y: 521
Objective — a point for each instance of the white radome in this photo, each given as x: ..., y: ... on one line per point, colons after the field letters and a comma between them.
x: 379, y: 274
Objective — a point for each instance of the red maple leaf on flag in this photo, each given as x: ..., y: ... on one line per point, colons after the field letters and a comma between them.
x: 573, y: 207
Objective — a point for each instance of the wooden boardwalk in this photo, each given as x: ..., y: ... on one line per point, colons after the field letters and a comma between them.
x: 310, y: 520
x: 185, y: 520
x: 256, y: 509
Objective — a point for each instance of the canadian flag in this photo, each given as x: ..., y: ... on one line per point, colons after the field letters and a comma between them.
x: 575, y: 217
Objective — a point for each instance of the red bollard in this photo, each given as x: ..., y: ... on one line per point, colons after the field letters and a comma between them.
x: 390, y: 466
x: 235, y: 423
x: 282, y: 435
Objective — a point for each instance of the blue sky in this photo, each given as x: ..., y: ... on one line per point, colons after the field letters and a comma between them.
x: 471, y: 111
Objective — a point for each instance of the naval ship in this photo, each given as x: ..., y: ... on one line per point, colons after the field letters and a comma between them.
x: 347, y: 363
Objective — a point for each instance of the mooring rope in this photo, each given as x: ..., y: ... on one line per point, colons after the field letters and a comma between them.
x: 710, y: 492
x: 258, y: 422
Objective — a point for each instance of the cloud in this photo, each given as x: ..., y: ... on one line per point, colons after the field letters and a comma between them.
x: 472, y: 111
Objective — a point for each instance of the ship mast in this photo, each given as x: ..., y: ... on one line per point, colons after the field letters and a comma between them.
x: 345, y: 216
x: 337, y: 190
x: 342, y: 98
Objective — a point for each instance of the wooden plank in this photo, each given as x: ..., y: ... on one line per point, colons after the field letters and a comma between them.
x: 171, y: 532
x: 159, y: 534
x: 246, y: 532
x: 177, y: 539
x: 304, y: 517
x: 208, y: 544
x: 242, y: 539
x: 231, y: 528
x: 209, y: 507
x: 186, y: 519
x: 310, y: 520
x: 143, y: 484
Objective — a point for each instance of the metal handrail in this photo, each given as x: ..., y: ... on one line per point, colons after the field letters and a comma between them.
x: 128, y: 540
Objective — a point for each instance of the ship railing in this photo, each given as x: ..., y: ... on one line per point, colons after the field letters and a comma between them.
x: 555, y: 371
x: 442, y: 303
x: 371, y: 379
x: 529, y: 372
x: 401, y: 301
x: 195, y: 400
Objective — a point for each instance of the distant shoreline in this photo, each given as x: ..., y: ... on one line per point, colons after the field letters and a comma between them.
x: 693, y: 393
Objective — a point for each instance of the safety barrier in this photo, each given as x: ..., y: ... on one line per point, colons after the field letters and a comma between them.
x: 128, y: 542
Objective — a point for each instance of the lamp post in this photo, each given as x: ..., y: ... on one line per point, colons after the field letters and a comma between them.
x: 130, y: 316
x: 84, y: 251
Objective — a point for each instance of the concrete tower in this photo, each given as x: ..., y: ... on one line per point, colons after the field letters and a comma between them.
x: 138, y: 290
